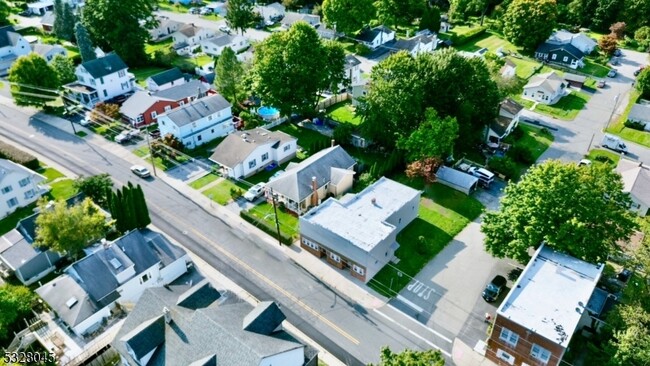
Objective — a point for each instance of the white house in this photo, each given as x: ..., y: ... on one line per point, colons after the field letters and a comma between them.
x: 545, y: 88
x: 19, y: 187
x: 218, y: 8
x: 580, y: 40
x: 640, y: 113
x: 418, y: 44
x: 352, y: 70
x: 376, y: 37
x: 164, y: 28
x: 198, y: 122
x: 359, y: 233
x: 49, y: 51
x: 12, y: 46
x: 101, y: 79
x: 189, y: 37
x: 290, y: 18
x: 40, y: 7
x: 215, y: 45
x: 165, y: 80
x: 636, y: 182
x: 244, y: 153
x: 116, y: 272
x: 271, y: 12
x: 505, y: 122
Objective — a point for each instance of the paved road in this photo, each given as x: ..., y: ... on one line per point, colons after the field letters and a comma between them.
x: 348, y: 330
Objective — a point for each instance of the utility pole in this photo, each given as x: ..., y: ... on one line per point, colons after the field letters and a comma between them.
x: 153, y: 164
x: 275, y: 211
x: 612, y: 114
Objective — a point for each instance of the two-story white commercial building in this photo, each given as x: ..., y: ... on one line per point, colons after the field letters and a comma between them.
x: 116, y: 272
x: 245, y: 153
x: 19, y: 187
x: 12, y: 46
x: 101, y: 79
x: 198, y: 122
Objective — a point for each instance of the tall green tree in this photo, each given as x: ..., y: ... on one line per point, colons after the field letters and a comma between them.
x: 16, y: 302
x: 636, y: 13
x: 462, y: 9
x: 348, y: 16
x: 129, y: 208
x: 580, y: 211
x: 85, y: 44
x: 57, y: 27
x: 142, y: 210
x: 605, y: 13
x: 239, y: 15
x: 64, y: 20
x: 399, y: 12
x: 430, y: 19
x: 643, y: 82
x: 96, y: 187
x: 291, y: 68
x: 33, y: 81
x: 127, y: 36
x: 5, y: 11
x: 410, y: 358
x: 64, y: 69
x: 630, y: 335
x: 229, y: 75
x: 527, y: 23
x: 69, y: 229
x: 435, y: 137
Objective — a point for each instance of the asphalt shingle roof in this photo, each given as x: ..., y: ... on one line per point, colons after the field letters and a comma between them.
x: 369, y: 35
x: 569, y: 48
x: 167, y: 76
x: 636, y: 179
x: 103, y: 66
x: 197, y: 109
x: 234, y: 149
x: 60, y: 291
x: 7, y: 36
x: 137, y: 104
x: 190, y: 89
x: 640, y: 112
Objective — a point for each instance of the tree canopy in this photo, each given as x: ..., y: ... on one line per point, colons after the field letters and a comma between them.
x: 96, y: 187
x: 64, y: 20
x: 127, y: 36
x: 5, y: 11
x: 527, y: 23
x: 348, y: 16
x: 69, y: 229
x: 239, y: 15
x: 84, y: 43
x: 64, y: 69
x: 15, y: 303
x: 399, y: 12
x: 411, y: 358
x: 643, y: 82
x: 129, y: 208
x: 608, y: 44
x: 291, y: 68
x: 33, y: 81
x: 581, y: 211
x: 435, y: 137
x: 230, y: 75
x: 462, y: 9
x: 430, y: 19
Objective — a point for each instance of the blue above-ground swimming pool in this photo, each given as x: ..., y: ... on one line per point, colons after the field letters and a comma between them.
x: 268, y: 113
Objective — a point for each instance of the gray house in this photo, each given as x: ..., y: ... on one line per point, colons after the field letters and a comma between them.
x: 640, y: 113
x: 359, y: 234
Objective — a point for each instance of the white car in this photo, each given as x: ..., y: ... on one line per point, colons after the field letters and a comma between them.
x: 225, y: 29
x: 140, y: 171
x: 584, y: 162
x: 254, y: 192
x: 484, y: 176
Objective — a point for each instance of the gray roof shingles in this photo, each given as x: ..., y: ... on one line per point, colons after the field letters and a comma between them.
x: 182, y: 91
x: 103, y: 66
x: 198, y: 109
x: 167, y: 76
x: 234, y: 149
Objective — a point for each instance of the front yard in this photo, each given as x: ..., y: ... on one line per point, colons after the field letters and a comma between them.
x: 443, y: 213
x: 594, y: 69
x: 566, y: 108
x: 601, y: 156
x: 222, y: 192
x: 344, y: 112
x: 204, y: 181
x: 630, y: 134
x: 288, y: 223
x: 488, y: 40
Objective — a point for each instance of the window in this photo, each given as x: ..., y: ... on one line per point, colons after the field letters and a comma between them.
x: 101, y: 80
x: 29, y: 194
x: 335, y: 257
x: 565, y: 59
x: 105, y: 93
x: 121, y: 73
x: 265, y: 156
x: 181, y: 103
x: 7, y: 189
x: 168, y: 108
x: 12, y: 202
x: 124, y: 86
x: 92, y: 82
x: 145, y: 278
x: 505, y: 356
x: 310, y: 244
x: 140, y: 119
x: 194, y: 124
x: 154, y: 114
x: 287, y: 147
x: 553, y: 57
x: 252, y: 164
x: 540, y: 353
x: 199, y: 138
x: 23, y: 182
x: 210, y: 118
x: 212, y: 130
x: 358, y: 269
x: 509, y: 337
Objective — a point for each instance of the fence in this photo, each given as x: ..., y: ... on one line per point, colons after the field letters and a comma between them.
x: 276, y: 122
x: 324, y: 104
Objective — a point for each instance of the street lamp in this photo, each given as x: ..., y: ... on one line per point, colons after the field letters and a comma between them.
x: 612, y: 114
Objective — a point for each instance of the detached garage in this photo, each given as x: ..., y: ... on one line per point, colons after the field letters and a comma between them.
x: 576, y: 81
x: 457, y: 180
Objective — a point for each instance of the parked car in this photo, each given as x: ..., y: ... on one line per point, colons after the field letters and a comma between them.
x: 254, y: 192
x: 123, y: 137
x: 494, y: 288
x: 154, y: 134
x: 134, y: 134
x: 193, y: 10
x: 618, y: 52
x: 140, y: 171
x: 612, y: 73
x: 205, y: 11
x: 86, y: 120
x: 225, y: 29
x: 601, y: 84
x: 614, y: 143
x: 584, y: 162
x: 484, y: 176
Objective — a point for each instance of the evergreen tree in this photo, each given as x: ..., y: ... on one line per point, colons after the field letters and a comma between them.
x: 68, y: 22
x: 57, y: 27
x: 142, y: 209
x: 83, y: 42
x: 129, y: 207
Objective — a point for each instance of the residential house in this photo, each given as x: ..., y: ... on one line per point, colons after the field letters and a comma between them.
x: 580, y: 40
x: 640, y: 113
x: 19, y: 187
x: 47, y: 21
x: 560, y: 54
x: 213, y: 329
x: 352, y: 70
x: 198, y: 122
x: 421, y: 43
x: 457, y: 179
x: 101, y: 79
x: 115, y: 273
x: 548, y: 303
x: 271, y: 12
x: 290, y: 18
x: 306, y: 184
x: 359, y: 233
x: 375, y: 37
x: 576, y: 81
x: 215, y: 45
x: 19, y: 256
x: 40, y: 7
x: 244, y: 153
x: 505, y: 122
x: 49, y: 51
x: 636, y: 182
x: 189, y: 37
x: 509, y: 69
x: 164, y: 28
x: 165, y: 80
x: 545, y: 88
x: 327, y: 33
x: 12, y: 46
x: 218, y: 8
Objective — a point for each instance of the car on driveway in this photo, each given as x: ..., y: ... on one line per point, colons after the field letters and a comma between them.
x: 612, y: 73
x: 123, y: 137
x: 193, y: 10
x: 494, y: 288
x: 601, y: 84
x: 225, y: 29
x: 618, y: 52
x: 484, y: 176
x: 205, y: 11
x: 140, y: 171
x: 254, y: 192
x: 584, y: 162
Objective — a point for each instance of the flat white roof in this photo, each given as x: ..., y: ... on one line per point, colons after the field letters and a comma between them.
x: 551, y: 294
x: 361, y: 219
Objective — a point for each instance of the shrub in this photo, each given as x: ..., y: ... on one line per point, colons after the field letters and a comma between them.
x: 343, y: 134
x: 361, y: 49
x: 604, y: 159
x: 467, y: 36
x: 18, y: 156
x: 634, y: 125
x: 505, y: 166
x: 235, y: 193
x: 521, y: 154
x: 271, y: 230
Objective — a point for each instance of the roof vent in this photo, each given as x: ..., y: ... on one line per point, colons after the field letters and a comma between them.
x: 70, y: 303
x: 115, y: 263
x: 167, y: 314
x: 373, y: 200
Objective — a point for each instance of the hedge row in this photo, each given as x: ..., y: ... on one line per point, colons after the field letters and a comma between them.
x: 18, y: 156
x: 271, y: 230
x: 635, y: 125
x: 467, y: 36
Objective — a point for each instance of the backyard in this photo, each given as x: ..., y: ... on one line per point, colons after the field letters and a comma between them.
x: 567, y: 108
x: 142, y: 73
x: 443, y: 213
x: 344, y: 112
x: 306, y: 137
x: 488, y: 40
x: 533, y: 139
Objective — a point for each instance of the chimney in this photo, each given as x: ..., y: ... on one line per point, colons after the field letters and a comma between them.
x: 332, y: 143
x: 373, y: 200
x: 167, y: 314
x: 314, y: 188
x: 104, y: 243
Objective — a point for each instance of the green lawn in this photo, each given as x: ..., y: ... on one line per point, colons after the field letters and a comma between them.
x: 443, y: 213
x: 11, y: 220
x: 63, y: 189
x: 525, y: 67
x: 178, y: 8
x: 151, y: 47
x: 490, y: 41
x: 600, y: 156
x: 630, y: 134
x: 220, y: 193
x: 142, y: 73
x: 533, y: 140
x: 344, y: 112
x: 305, y: 136
x: 141, y: 151
x: 50, y: 173
x: 288, y: 222
x: 205, y: 150
x: 204, y: 181
x: 594, y: 69
x: 567, y: 108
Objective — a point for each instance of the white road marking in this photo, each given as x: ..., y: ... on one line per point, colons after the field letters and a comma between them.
x: 413, y: 333
x: 423, y: 326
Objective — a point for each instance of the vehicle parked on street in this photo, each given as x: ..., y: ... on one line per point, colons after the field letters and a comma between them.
x: 601, y: 84
x: 584, y: 162
x: 205, y: 11
x: 140, y: 171
x: 612, y: 73
x: 193, y: 10
x: 134, y: 134
x: 618, y: 52
x: 225, y: 29
x: 254, y: 192
x: 123, y: 137
x: 494, y: 288
x: 614, y: 143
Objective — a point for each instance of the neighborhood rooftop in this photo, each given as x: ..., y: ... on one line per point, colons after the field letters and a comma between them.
x: 569, y: 48
x: 636, y: 179
x: 8, y: 36
x: 179, y: 92
x: 240, y: 144
x: 104, y: 66
x: 640, y: 112
x: 167, y: 76
x: 549, y: 81
x: 198, y: 109
x: 551, y: 294
x: 362, y: 219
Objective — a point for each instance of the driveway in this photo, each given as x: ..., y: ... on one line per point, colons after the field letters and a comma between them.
x: 189, y: 170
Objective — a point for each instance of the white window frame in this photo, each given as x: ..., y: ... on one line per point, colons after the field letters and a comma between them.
x: 540, y: 353
x: 335, y: 257
x: 565, y: 59
x: 30, y: 194
x: 310, y: 244
x: 11, y: 200
x: 553, y: 56
x: 168, y: 108
x: 265, y: 156
x: 7, y: 189
x: 252, y: 164
x: 507, y: 336
x: 154, y: 114
x: 145, y: 277
x: 139, y: 119
x: 287, y: 147
x: 358, y: 270
x: 503, y: 355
